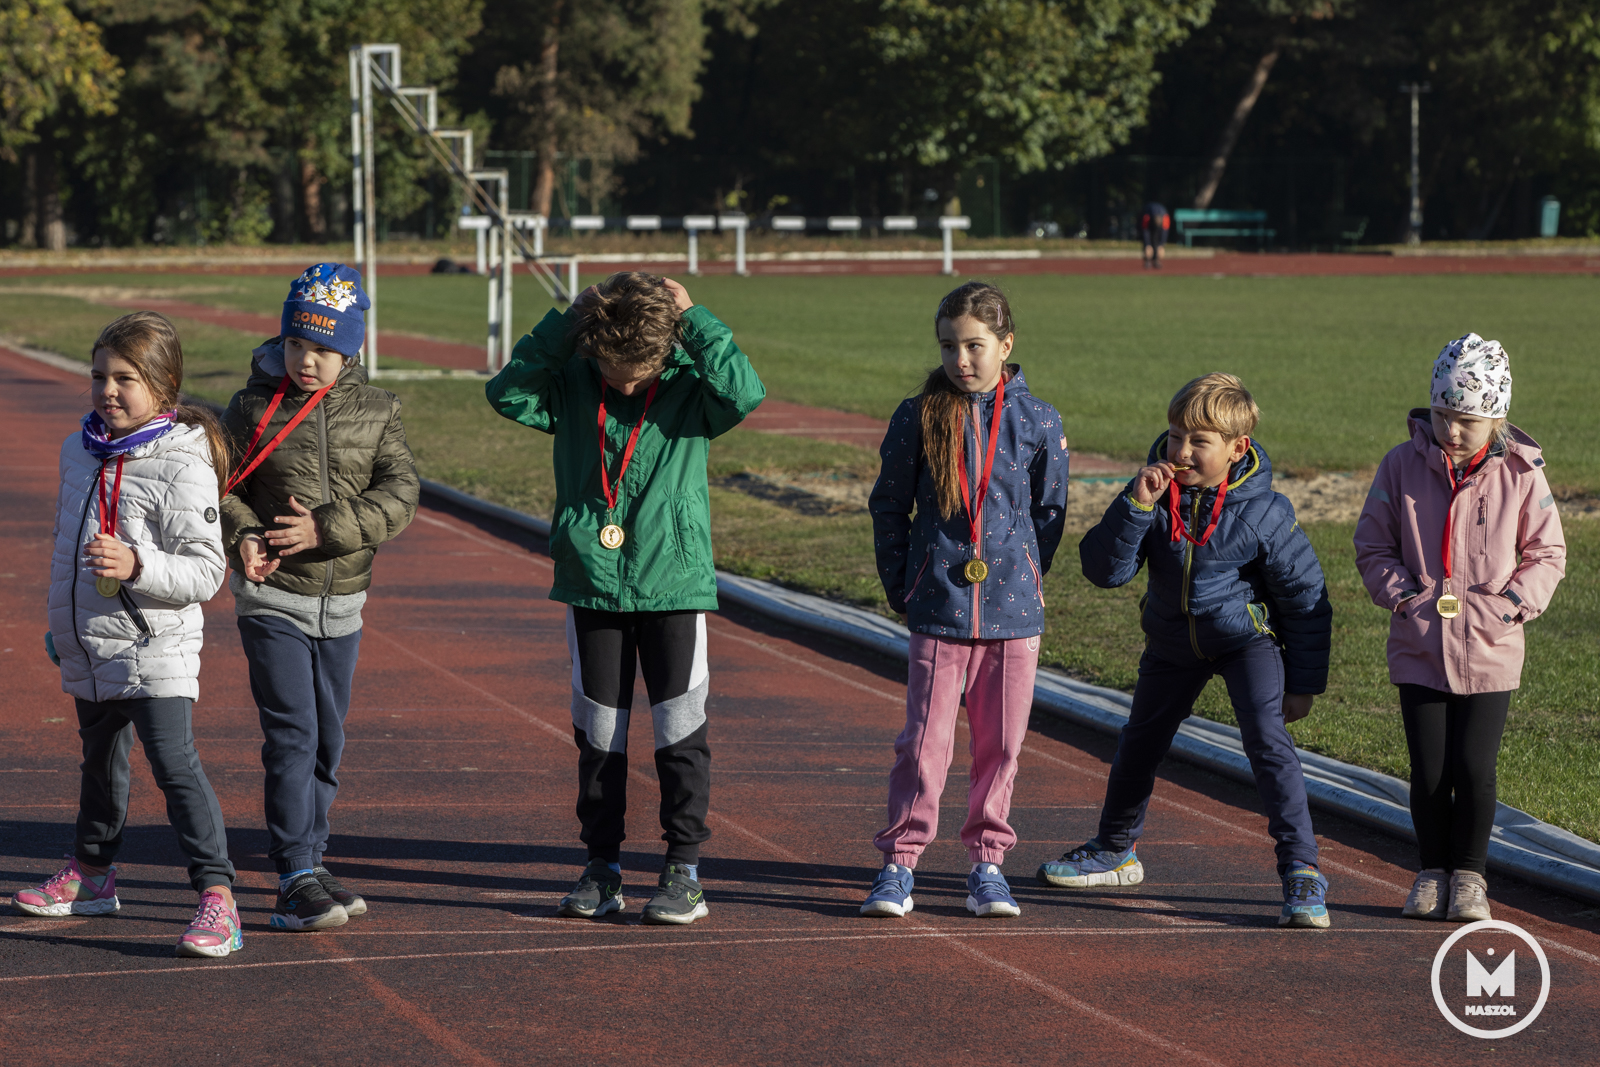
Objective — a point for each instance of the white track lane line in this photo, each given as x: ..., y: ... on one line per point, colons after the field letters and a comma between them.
x: 724, y: 631
x: 189, y: 970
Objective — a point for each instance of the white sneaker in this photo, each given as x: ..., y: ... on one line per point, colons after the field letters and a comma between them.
x: 1469, y: 897
x: 1430, y: 895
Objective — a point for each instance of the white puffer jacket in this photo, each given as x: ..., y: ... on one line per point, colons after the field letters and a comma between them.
x: 168, y: 513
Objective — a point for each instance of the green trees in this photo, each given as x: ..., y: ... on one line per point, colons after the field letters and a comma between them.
x: 49, y: 61
x: 226, y: 120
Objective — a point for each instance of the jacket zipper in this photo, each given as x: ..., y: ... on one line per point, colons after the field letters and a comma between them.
x: 82, y: 522
x: 322, y: 470
x: 1188, y: 561
x: 977, y: 548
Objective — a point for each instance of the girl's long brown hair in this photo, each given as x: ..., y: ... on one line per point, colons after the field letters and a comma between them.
x: 149, y: 341
x: 943, y: 408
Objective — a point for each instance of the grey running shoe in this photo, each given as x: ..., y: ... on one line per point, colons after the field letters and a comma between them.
x: 679, y: 899
x: 305, y: 905
x: 1469, y: 899
x: 1430, y: 895
x: 350, y: 901
x: 598, y: 892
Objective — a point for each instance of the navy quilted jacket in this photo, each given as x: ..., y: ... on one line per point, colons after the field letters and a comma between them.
x: 1257, y: 575
x: 920, y: 559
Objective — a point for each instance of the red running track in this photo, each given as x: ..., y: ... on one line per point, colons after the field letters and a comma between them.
x: 455, y: 819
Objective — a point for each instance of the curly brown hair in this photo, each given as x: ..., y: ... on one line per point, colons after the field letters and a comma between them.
x: 630, y: 320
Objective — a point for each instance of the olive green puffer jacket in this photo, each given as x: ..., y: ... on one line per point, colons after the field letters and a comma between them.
x: 347, y: 461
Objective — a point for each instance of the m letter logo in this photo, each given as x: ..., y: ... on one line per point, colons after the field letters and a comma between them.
x: 1501, y: 982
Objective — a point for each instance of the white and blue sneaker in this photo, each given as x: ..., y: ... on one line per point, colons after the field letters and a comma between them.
x: 1305, y: 898
x: 988, y: 895
x: 891, y: 893
x: 1091, y: 864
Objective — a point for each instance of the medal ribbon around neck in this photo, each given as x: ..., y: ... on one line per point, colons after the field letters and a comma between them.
x: 107, y: 585
x: 1179, y: 528
x: 607, y: 488
x: 1449, y: 518
x: 277, y: 398
x: 974, y: 506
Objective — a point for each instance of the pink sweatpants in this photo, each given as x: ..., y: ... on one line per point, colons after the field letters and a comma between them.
x: 999, y: 676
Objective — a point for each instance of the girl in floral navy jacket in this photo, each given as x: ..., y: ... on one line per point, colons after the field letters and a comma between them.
x: 983, y: 463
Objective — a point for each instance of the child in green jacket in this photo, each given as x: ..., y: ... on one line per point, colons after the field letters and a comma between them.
x: 631, y: 541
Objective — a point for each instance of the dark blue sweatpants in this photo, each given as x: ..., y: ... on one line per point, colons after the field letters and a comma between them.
x: 301, y: 687
x: 1164, y: 697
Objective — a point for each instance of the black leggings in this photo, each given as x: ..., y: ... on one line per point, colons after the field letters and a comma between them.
x: 1454, y: 743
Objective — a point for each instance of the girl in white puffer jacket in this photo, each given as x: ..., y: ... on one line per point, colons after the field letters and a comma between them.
x: 138, y: 549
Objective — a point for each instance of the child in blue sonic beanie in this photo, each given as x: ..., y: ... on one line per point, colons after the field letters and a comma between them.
x: 327, y: 305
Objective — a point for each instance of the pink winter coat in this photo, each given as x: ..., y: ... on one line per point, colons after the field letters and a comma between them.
x: 1503, y: 512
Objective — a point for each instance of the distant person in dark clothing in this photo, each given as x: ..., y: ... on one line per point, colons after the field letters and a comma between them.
x: 1154, y: 222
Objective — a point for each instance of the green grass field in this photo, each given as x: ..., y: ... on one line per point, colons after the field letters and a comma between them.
x: 1334, y: 362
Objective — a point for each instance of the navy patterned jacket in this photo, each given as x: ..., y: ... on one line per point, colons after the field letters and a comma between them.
x: 1257, y: 575
x: 920, y: 558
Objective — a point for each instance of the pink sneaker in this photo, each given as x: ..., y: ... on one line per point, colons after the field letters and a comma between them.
x: 214, y: 931
x: 70, y: 892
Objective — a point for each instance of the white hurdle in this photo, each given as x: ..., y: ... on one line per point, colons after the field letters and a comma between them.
x: 950, y: 224
x: 694, y: 224
x: 738, y: 222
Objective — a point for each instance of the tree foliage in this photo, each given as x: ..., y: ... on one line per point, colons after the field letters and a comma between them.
x: 48, y: 56
x: 1032, y: 82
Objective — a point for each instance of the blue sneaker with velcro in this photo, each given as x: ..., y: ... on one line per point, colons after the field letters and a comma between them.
x: 988, y: 894
x: 1305, y: 898
x: 891, y: 893
x: 1090, y: 864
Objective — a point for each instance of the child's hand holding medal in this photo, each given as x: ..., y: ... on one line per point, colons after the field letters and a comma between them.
x: 111, y: 562
x: 1152, y: 481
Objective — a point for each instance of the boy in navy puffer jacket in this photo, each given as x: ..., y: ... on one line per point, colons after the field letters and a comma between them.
x: 1235, y: 590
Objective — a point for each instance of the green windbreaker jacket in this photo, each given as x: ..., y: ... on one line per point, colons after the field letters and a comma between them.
x: 663, y: 503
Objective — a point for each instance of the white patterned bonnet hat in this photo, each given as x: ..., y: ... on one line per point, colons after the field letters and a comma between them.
x: 1473, y: 376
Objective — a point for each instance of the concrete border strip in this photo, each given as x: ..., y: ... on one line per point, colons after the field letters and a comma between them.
x: 1520, y: 844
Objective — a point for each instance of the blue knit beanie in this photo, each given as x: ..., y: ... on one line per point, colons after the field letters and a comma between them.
x: 327, y: 305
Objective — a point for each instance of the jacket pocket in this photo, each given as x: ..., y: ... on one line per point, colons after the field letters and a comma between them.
x: 686, y: 535
x: 1038, y: 580
x: 912, y: 590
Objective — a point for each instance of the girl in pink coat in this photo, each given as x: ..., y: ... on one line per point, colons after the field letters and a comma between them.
x: 1460, y: 541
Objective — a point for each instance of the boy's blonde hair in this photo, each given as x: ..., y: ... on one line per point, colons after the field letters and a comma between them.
x: 1217, y: 402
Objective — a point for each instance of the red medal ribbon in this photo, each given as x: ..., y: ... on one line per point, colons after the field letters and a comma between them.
x: 108, y: 512
x: 1179, y: 528
x: 606, y: 488
x: 975, y: 510
x: 1455, y: 487
x: 277, y: 398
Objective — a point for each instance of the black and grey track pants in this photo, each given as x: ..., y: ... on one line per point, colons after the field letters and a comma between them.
x: 670, y: 649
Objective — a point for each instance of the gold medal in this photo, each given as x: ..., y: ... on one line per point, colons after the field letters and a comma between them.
x: 976, y: 570
x: 107, y: 587
x: 611, y: 536
x: 1449, y: 606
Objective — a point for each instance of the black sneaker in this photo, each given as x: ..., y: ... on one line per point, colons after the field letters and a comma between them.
x: 598, y: 892
x: 305, y: 905
x: 679, y: 899
x: 352, y: 903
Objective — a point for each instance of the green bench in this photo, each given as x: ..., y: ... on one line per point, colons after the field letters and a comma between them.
x: 1194, y: 223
